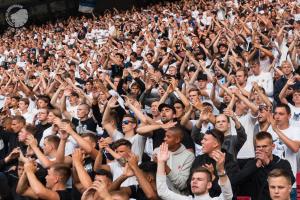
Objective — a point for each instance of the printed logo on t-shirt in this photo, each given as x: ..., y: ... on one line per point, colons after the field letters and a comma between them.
x: 296, y: 116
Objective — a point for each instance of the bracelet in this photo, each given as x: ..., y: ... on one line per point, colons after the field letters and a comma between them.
x: 222, y: 174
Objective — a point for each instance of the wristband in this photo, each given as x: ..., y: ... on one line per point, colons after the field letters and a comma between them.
x: 222, y: 174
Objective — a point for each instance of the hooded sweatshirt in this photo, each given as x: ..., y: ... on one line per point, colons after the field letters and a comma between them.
x: 180, y: 162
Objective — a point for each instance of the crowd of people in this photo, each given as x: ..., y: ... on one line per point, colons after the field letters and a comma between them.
x: 190, y: 99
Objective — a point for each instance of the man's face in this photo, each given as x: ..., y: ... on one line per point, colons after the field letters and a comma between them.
x: 279, y: 188
x: 171, y: 138
x: 47, y: 147
x: 240, y: 77
x: 16, y: 126
x: 123, y: 151
x: 193, y: 96
x: 22, y: 135
x: 167, y: 114
x: 222, y: 123
x: 255, y: 68
x: 42, y: 115
x: 51, y: 178
x: 20, y: 170
x: 209, y: 143
x: 135, y: 90
x: 154, y: 108
x: 22, y: 105
x: 296, y: 97
x: 262, y: 115
x: 265, y: 146
x: 14, y: 102
x: 202, y: 84
x: 128, y: 124
x: 179, y: 110
x: 286, y: 68
x: 82, y: 111
x: 200, y: 183
x: 281, y: 116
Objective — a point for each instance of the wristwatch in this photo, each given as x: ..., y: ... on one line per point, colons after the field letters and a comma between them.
x: 222, y: 174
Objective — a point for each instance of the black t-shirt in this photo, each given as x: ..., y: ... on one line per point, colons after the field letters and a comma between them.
x: 40, y: 130
x: 84, y: 126
x: 64, y: 194
x: 137, y: 193
x: 116, y: 70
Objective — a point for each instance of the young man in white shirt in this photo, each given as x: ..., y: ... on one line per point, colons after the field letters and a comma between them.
x: 263, y: 79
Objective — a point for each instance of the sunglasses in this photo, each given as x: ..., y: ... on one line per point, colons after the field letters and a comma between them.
x: 126, y: 122
x: 263, y: 107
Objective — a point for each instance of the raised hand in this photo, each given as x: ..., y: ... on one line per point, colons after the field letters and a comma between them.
x: 127, y: 171
x: 31, y: 141
x: 113, y: 102
x: 163, y: 154
x: 219, y: 157
x: 228, y: 112
x: 77, y: 156
x: 101, y: 189
x: 15, y: 153
x: 65, y: 126
x: 291, y: 81
x: 29, y: 166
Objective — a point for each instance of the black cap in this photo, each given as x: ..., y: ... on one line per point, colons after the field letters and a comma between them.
x: 216, y: 134
x: 163, y: 105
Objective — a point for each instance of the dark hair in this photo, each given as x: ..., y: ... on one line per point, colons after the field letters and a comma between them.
x: 56, y: 112
x: 25, y: 100
x: 104, y: 172
x: 63, y: 170
x: 31, y: 129
x: 263, y: 135
x: 282, y: 105
x: 149, y: 167
x: 91, y: 136
x: 243, y: 69
x: 121, y: 142
x: 280, y: 173
x: 177, y: 130
x: 130, y: 116
x: 54, y: 139
x: 216, y: 134
x: 180, y: 102
x: 20, y: 119
x: 202, y: 170
x: 45, y: 98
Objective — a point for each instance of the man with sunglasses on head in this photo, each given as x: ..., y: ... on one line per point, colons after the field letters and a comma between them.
x: 129, y: 125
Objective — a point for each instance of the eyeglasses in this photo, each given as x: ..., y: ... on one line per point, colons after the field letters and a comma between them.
x: 126, y: 122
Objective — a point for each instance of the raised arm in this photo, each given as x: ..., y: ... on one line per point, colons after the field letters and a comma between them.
x: 84, y: 144
x: 39, y: 189
x: 83, y: 176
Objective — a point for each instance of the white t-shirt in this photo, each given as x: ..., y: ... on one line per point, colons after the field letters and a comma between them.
x: 137, y: 141
x: 295, y: 118
x: 247, y: 150
x: 117, y: 170
x: 265, y: 80
x: 282, y: 150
